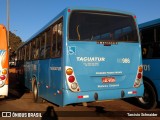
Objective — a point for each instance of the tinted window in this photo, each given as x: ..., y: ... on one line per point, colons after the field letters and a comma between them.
x: 57, y: 33
x: 95, y: 26
x: 27, y: 51
x: 33, y: 50
x: 150, y: 38
x: 42, y: 46
x: 48, y: 43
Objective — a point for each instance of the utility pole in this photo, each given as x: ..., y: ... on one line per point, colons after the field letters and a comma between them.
x: 8, y: 18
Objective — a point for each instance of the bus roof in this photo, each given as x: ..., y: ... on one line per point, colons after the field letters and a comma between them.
x: 149, y: 23
x: 75, y: 8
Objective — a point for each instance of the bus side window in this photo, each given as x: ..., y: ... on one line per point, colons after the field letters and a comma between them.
x: 23, y: 53
x: 42, y: 46
x: 59, y: 40
x: 158, y: 33
x: 150, y: 51
x: 33, y: 48
x: 27, y: 52
x: 48, y: 43
x: 54, y: 38
x: 30, y: 51
x: 37, y: 48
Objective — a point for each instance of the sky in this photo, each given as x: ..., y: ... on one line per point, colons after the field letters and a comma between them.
x: 28, y: 16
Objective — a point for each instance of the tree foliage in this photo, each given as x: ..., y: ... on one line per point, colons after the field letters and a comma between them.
x: 14, y: 42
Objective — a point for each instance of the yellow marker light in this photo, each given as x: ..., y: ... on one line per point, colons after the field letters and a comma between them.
x: 4, y: 72
x: 69, y: 71
x: 140, y: 69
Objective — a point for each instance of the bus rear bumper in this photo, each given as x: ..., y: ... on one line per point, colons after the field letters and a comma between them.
x: 91, y: 96
x: 4, y: 91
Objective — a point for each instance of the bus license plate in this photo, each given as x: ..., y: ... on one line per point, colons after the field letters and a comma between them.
x: 108, y: 80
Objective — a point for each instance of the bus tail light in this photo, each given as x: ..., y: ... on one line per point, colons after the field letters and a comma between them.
x: 74, y: 86
x: 69, y: 10
x: 140, y: 69
x: 4, y: 71
x: 71, y: 79
x: 3, y: 76
x: 138, y: 77
x: 69, y: 71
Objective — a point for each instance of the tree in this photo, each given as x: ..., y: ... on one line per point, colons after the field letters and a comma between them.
x: 14, y: 43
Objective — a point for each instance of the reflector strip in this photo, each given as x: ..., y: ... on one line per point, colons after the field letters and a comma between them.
x: 83, y: 96
x: 86, y: 96
x: 59, y: 92
x: 132, y: 92
x: 47, y: 86
x: 80, y: 96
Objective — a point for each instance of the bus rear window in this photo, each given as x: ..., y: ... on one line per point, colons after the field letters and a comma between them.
x: 94, y: 26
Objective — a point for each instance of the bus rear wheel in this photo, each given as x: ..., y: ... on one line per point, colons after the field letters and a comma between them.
x: 36, y: 98
x: 35, y: 92
x: 148, y: 101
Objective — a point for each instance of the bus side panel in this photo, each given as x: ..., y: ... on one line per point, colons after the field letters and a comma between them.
x: 43, y: 78
x: 55, y: 91
x: 28, y: 74
x: 151, y: 72
x: 50, y: 80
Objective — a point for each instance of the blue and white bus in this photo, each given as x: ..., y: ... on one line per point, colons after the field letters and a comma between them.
x: 84, y: 55
x: 150, y: 37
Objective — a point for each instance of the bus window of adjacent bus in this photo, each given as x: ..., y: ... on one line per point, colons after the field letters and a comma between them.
x: 148, y: 35
x: 157, y: 33
x: 89, y: 26
x: 150, y: 42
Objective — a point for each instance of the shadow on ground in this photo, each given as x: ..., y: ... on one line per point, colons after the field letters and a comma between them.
x: 16, y: 88
x: 134, y: 102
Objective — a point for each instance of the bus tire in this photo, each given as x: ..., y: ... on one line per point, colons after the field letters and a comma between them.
x: 35, y: 92
x: 149, y: 99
